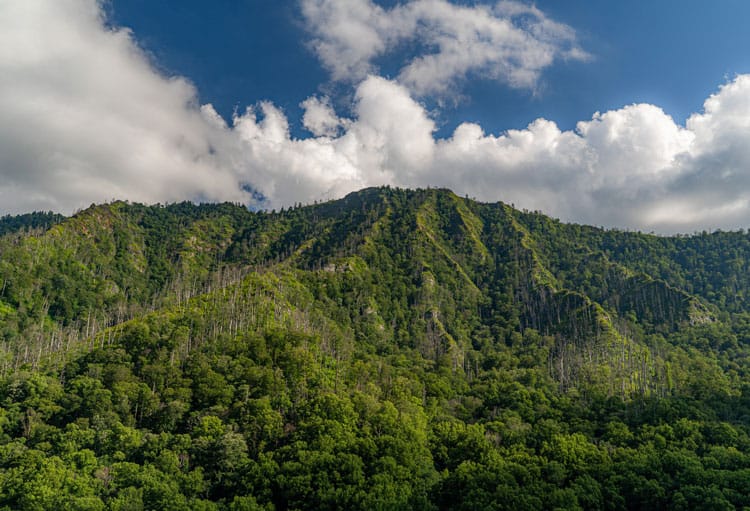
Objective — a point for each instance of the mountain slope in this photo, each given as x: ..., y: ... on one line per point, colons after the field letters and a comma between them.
x: 396, y: 349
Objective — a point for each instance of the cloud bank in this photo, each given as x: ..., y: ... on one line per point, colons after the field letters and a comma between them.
x: 633, y: 167
x: 85, y: 117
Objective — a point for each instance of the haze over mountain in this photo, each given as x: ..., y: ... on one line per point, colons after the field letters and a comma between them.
x: 396, y: 349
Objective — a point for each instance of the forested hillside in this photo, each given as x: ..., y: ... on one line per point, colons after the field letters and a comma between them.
x: 394, y: 349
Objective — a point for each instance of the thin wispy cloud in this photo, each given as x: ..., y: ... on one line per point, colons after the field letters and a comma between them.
x: 509, y: 41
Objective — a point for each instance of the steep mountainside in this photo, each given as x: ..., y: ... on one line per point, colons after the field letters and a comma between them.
x: 395, y: 349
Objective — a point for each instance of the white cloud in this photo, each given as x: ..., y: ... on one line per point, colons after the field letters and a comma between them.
x: 349, y: 34
x: 84, y: 117
x: 389, y: 141
x: 319, y: 117
x: 633, y: 167
x: 509, y: 42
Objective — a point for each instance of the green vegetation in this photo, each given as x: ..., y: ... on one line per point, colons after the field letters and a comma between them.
x: 394, y: 349
x: 38, y: 220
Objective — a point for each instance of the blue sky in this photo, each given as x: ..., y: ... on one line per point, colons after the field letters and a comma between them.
x: 624, y: 114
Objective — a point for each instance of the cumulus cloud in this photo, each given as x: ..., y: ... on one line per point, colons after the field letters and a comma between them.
x: 84, y: 117
x: 389, y: 141
x: 508, y: 41
x: 319, y: 117
x: 633, y: 167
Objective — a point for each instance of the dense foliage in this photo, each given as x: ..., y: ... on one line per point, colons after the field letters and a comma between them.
x: 395, y: 349
x: 39, y: 220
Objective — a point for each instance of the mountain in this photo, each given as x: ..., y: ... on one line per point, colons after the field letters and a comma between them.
x: 395, y: 349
